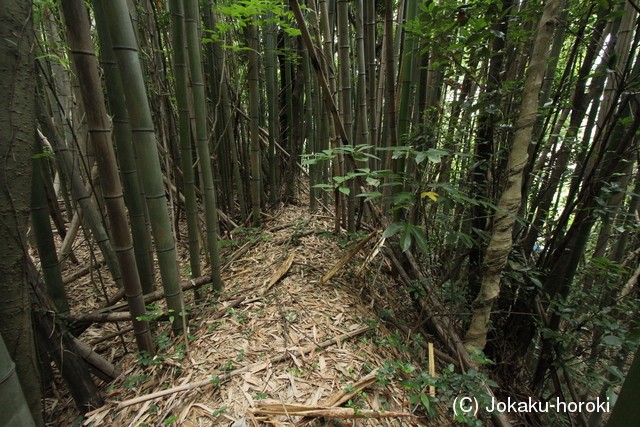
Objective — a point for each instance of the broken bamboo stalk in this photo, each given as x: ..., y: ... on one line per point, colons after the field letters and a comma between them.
x: 280, y: 272
x: 345, y: 259
x: 101, y: 366
x: 341, y: 396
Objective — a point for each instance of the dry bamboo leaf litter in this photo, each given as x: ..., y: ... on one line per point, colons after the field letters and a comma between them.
x: 243, y: 337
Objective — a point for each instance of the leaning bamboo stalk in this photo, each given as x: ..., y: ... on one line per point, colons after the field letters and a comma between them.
x: 133, y: 195
x: 255, y: 367
x: 82, y: 196
x: 83, y: 56
x: 106, y: 369
x: 72, y: 233
x: 41, y: 226
x: 126, y: 52
x: 153, y: 296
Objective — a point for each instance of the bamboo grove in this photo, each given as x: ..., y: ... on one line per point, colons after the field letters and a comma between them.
x: 493, y: 143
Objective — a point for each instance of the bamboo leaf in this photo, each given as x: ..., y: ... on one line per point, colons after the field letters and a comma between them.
x: 393, y: 229
x: 405, y: 241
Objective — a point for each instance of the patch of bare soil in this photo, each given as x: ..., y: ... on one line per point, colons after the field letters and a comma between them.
x: 277, y: 344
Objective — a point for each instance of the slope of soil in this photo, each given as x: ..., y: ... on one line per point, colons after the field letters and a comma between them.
x: 269, y: 345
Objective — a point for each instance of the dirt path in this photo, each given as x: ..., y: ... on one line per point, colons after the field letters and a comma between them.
x: 268, y: 347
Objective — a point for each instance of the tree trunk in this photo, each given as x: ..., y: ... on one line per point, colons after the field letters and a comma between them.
x: 509, y: 204
x: 61, y: 347
x: 17, y: 134
x: 627, y: 408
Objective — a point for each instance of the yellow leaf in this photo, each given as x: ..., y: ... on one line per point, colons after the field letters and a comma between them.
x: 430, y: 194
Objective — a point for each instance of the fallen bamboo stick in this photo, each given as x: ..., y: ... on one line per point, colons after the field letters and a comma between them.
x: 151, y: 297
x: 341, y: 396
x: 81, y: 272
x: 255, y: 367
x: 280, y: 272
x: 278, y: 408
x: 345, y: 259
x: 125, y: 316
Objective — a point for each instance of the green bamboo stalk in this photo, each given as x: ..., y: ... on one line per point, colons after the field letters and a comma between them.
x: 370, y: 46
x: 271, y: 78
x: 182, y: 97
x: 408, y: 65
x: 222, y: 145
x: 310, y: 126
x: 329, y: 89
x: 133, y: 195
x: 126, y: 51
x: 229, y: 129
x: 390, y: 60
x: 363, y: 119
x: 404, y: 115
x: 346, y: 107
x: 226, y: 117
x: 41, y: 226
x: 288, y: 125
x: 13, y: 404
x: 202, y: 138
x: 83, y: 55
x: 251, y: 34
x: 80, y: 194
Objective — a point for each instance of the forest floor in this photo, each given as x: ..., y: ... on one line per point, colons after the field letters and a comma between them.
x: 262, y: 338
